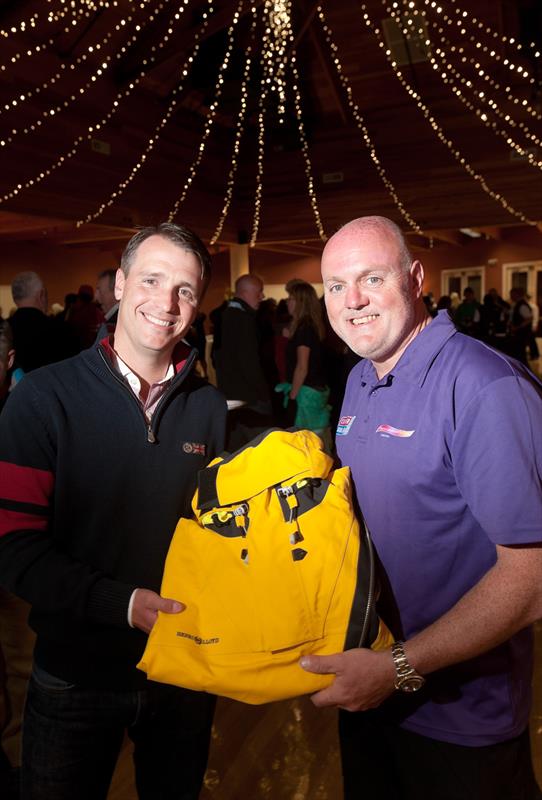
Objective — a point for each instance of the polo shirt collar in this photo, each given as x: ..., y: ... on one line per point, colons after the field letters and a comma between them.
x: 420, y: 354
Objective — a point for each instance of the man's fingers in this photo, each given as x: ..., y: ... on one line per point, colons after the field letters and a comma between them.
x: 322, y: 665
x: 170, y: 606
x: 327, y: 697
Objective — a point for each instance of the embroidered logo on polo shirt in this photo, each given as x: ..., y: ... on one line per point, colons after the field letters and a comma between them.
x: 389, y: 430
x: 344, y: 425
x: 194, y: 448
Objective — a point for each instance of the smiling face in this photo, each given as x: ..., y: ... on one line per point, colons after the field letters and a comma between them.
x: 372, y: 294
x: 158, y: 301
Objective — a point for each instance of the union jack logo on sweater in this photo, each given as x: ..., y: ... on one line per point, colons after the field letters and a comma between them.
x: 195, y: 448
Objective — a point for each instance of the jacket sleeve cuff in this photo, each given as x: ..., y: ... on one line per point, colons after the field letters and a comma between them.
x: 108, y: 602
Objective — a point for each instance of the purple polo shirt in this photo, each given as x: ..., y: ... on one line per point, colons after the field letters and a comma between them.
x: 446, y: 458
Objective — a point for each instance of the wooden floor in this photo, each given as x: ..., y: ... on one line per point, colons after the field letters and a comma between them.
x: 286, y: 751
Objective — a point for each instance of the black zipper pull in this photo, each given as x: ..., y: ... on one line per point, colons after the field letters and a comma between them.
x: 151, y: 438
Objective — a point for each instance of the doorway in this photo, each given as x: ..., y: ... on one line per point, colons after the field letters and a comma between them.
x: 457, y: 280
x: 526, y: 275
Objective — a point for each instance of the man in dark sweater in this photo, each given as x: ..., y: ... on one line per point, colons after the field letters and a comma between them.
x: 98, y: 460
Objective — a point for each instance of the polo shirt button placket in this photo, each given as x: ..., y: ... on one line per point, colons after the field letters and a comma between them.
x: 372, y: 393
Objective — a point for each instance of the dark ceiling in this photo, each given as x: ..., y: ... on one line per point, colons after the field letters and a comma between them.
x: 118, y: 113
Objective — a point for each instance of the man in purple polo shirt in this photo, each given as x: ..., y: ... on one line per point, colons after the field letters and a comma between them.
x: 444, y: 439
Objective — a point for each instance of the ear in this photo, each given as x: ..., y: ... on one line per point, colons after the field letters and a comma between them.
x: 120, y: 280
x: 417, y: 275
x: 11, y: 359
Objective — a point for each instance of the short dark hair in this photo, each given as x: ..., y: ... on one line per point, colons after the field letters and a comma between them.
x: 179, y: 235
x: 110, y: 274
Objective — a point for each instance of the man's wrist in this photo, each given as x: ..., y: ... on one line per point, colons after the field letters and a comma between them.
x: 130, y: 609
x: 407, y: 679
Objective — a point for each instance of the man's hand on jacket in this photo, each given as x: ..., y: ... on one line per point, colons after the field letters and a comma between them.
x: 363, y: 678
x: 146, y: 606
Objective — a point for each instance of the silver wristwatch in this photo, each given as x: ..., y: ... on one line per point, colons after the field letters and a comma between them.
x: 406, y: 679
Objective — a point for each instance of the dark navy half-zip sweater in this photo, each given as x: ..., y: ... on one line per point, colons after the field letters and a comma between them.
x: 90, y: 495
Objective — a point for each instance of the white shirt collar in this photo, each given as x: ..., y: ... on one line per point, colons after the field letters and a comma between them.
x: 131, y: 378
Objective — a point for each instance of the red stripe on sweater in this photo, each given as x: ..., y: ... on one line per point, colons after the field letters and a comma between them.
x: 18, y: 520
x: 25, y: 484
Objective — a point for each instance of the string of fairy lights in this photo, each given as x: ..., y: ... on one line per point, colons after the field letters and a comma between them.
x: 453, y: 149
x: 474, y: 62
x: 484, y: 75
x: 305, y: 149
x: 94, y: 128
x: 98, y: 73
x: 464, y: 24
x: 259, y: 168
x: 279, y: 89
x: 277, y: 31
x: 210, y: 116
x: 239, y: 131
x: 17, y: 101
x: 54, y: 16
x: 276, y: 40
x: 409, y: 17
x: 279, y: 59
x: 152, y: 141
x: 446, y: 68
x: 73, y: 65
x: 358, y: 117
x: 476, y: 23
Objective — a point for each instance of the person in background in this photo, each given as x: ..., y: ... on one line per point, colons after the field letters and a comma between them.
x: 70, y: 300
x: 430, y: 303
x: 98, y: 461
x: 85, y: 318
x: 105, y: 298
x: 196, y: 337
x: 468, y: 315
x: 521, y: 324
x: 215, y: 317
x: 306, y: 389
x: 338, y: 360
x: 282, y: 321
x: 443, y: 438
x: 239, y: 370
x: 266, y: 321
x: 534, y: 352
x: 444, y: 302
x: 36, y: 337
x: 454, y: 302
x: 495, y: 320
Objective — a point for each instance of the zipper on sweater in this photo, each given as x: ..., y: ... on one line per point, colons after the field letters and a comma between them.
x: 150, y: 427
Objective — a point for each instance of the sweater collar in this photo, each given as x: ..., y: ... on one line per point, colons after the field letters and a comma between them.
x: 179, y: 358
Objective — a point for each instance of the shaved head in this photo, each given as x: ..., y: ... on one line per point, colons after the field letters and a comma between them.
x: 250, y: 289
x: 375, y: 225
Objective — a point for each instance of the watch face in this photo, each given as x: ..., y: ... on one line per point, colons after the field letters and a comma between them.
x: 412, y: 683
